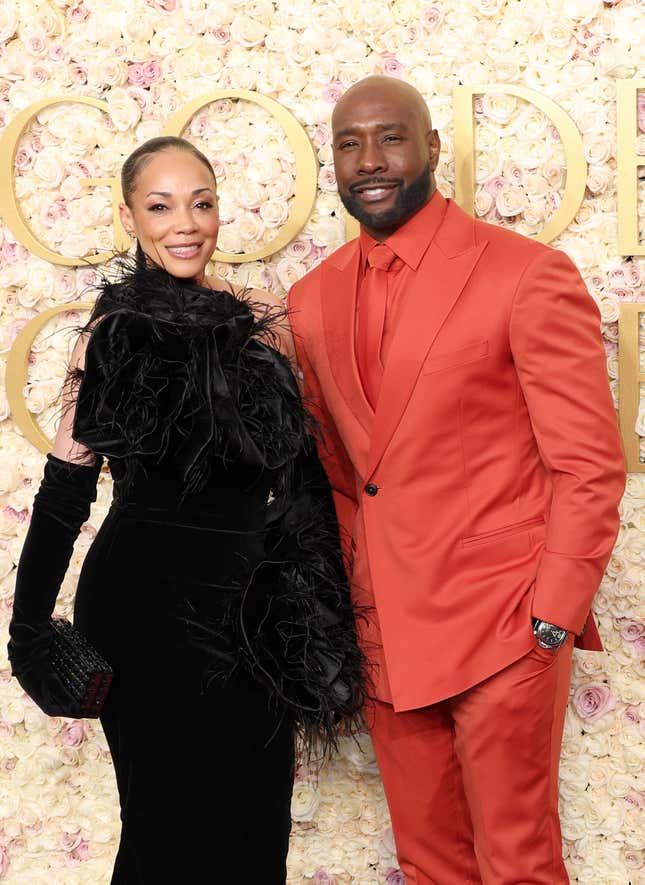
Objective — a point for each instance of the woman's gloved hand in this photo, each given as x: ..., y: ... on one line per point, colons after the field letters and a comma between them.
x: 60, y: 508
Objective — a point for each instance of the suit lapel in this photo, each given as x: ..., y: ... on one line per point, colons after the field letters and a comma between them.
x: 339, y: 284
x: 438, y: 285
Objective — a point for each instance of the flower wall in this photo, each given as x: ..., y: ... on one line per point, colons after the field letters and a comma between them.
x: 58, y: 806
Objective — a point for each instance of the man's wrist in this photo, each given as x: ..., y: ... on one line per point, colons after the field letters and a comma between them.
x: 549, y: 635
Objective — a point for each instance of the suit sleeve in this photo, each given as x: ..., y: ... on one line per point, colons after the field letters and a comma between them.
x: 331, y: 450
x: 560, y: 362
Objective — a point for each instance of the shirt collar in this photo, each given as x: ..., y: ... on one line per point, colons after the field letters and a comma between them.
x: 412, y: 239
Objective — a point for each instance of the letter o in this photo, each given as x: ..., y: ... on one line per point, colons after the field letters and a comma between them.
x: 306, y: 166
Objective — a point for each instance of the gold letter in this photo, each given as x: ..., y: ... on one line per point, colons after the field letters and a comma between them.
x: 306, y: 166
x: 16, y: 373
x: 9, y: 208
x: 465, y: 152
x: 628, y: 163
x: 630, y: 378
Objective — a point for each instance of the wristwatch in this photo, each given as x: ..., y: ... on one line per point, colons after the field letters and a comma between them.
x: 548, y: 635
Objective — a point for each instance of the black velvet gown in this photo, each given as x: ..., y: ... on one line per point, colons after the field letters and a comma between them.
x: 214, y: 587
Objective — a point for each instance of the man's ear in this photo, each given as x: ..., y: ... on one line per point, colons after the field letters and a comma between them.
x: 434, y: 148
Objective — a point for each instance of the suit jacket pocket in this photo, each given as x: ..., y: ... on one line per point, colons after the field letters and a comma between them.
x: 501, y: 533
x: 435, y: 362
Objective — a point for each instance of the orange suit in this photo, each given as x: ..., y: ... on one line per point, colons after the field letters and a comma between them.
x: 484, y: 487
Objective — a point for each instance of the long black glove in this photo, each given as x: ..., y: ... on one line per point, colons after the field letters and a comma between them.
x: 60, y: 508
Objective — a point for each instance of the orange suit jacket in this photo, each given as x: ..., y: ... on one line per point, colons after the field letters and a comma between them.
x: 494, y: 450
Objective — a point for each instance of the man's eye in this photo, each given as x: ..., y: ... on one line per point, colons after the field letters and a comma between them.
x: 392, y: 138
x: 347, y: 144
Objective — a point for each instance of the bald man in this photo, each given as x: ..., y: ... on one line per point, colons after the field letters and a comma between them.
x: 458, y: 374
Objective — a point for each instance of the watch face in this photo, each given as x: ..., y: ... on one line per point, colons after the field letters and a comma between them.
x: 550, y: 636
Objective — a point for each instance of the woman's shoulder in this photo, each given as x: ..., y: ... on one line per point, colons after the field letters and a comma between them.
x: 264, y: 304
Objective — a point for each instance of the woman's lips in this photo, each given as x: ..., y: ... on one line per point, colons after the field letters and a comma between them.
x: 185, y: 252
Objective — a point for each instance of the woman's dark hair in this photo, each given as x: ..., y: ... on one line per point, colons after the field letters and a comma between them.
x: 145, y: 152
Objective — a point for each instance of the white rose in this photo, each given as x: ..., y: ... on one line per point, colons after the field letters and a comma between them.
x: 40, y: 278
x: 305, y: 800
x: 124, y: 112
x: 229, y: 240
x: 49, y: 169
x: 8, y: 22
x: 582, y: 11
x: 489, y: 8
x: 483, y: 202
x: 281, y: 187
x: 274, y: 212
x: 510, y: 201
x: 597, y: 148
x: 249, y: 194
x: 250, y: 227
x: 247, y: 32
x: 499, y: 106
x: 289, y: 271
x: 76, y: 245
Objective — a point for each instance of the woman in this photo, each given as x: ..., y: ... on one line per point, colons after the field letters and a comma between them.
x: 215, y: 587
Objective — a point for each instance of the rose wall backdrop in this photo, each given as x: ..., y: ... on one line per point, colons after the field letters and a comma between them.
x: 58, y: 806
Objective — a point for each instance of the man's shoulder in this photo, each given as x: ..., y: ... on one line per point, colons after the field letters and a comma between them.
x: 338, y: 259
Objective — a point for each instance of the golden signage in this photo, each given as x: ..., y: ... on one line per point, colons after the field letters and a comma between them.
x: 303, y: 202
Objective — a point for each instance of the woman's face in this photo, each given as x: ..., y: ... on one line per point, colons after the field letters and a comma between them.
x: 173, y: 213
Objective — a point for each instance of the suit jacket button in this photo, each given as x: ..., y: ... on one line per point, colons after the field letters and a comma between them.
x: 371, y: 489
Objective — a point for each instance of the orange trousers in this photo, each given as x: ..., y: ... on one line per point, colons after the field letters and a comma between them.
x: 472, y: 781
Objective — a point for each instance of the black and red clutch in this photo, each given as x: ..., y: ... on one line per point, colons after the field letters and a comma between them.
x: 83, y: 671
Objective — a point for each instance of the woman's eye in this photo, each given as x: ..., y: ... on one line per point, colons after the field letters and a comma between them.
x: 157, y: 207
x: 204, y: 204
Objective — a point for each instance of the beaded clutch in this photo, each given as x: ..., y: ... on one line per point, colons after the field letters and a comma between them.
x: 85, y: 674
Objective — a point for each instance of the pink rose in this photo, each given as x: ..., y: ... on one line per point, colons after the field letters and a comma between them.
x: 323, y: 878
x: 78, y: 74
x: 632, y: 715
x: 219, y: 36
x: 73, y: 734
x: 140, y: 95
x: 16, y: 515
x: 639, y: 645
x: 332, y: 92
x: 77, y: 13
x: 13, y: 252
x: 593, y: 700
x: 82, y: 851
x: 631, y: 630
x: 391, y: 66
x: 80, y: 169
x: 57, y: 53
x: 394, y: 877
x: 136, y: 75
x: 4, y: 860
x: 494, y: 185
x: 636, y: 798
x: 36, y: 44
x: 152, y: 71
x: 24, y: 159
x: 431, y: 16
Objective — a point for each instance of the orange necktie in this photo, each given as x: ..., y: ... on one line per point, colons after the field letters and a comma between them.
x: 371, y: 319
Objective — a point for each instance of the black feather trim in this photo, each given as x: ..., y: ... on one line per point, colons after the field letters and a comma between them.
x: 178, y: 372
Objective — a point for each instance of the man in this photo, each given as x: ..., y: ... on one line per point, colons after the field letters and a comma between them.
x: 458, y: 373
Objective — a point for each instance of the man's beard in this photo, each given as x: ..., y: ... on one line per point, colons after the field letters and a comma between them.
x: 408, y: 201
